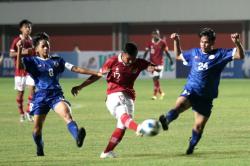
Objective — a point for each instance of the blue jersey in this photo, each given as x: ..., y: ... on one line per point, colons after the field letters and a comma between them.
x: 204, y: 77
x: 45, y: 72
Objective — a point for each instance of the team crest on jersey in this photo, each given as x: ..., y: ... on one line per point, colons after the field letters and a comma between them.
x: 56, y: 64
x: 211, y: 57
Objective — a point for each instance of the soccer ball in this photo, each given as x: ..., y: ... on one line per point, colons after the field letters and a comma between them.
x: 150, y: 127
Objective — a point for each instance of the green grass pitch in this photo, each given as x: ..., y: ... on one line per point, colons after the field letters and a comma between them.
x: 226, y: 140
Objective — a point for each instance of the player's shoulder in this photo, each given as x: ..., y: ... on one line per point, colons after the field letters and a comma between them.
x: 141, y: 61
x: 113, y: 59
x: 16, y: 39
x: 55, y: 57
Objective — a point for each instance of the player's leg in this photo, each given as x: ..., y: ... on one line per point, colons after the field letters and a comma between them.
x: 114, y: 140
x: 31, y: 86
x: 37, y: 133
x: 122, y: 110
x: 155, y: 81
x: 182, y: 104
x: 19, y: 86
x: 63, y: 110
x: 162, y: 94
x: 199, y: 124
x: 202, y: 110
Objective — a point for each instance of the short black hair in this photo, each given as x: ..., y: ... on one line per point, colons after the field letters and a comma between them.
x: 24, y: 22
x: 131, y: 49
x: 38, y: 37
x: 209, y: 32
x: 156, y: 31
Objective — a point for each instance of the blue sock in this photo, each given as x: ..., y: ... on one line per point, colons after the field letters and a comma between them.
x: 38, y: 140
x: 172, y: 115
x: 195, y: 138
x: 73, y: 129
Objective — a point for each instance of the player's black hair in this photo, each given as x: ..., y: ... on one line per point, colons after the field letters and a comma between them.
x: 156, y: 31
x: 131, y: 49
x: 24, y: 22
x: 39, y: 36
x: 209, y: 32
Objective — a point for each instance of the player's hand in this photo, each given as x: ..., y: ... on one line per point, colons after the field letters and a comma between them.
x: 99, y: 74
x: 175, y: 36
x: 235, y: 37
x: 75, y: 90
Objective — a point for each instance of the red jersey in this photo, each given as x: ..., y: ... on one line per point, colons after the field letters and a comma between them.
x: 156, y: 51
x: 26, y: 44
x: 121, y: 77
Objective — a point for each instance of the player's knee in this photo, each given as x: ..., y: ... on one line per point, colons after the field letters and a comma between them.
x: 37, y: 130
x: 199, y: 127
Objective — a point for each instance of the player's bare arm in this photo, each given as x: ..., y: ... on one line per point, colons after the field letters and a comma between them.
x: 75, y: 90
x: 77, y: 69
x: 145, y: 53
x: 239, y: 54
x: 177, y: 48
x: 169, y: 57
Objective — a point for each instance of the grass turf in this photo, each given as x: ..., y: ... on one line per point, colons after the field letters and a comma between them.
x: 225, y: 141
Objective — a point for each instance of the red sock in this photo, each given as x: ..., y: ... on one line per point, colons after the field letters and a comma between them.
x: 128, y: 122
x: 115, y: 139
x: 29, y: 101
x: 20, y: 105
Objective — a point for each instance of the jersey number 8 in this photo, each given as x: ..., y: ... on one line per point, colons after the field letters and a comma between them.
x: 51, y: 72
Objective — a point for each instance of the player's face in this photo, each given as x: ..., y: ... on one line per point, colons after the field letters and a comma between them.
x: 127, y: 59
x: 155, y: 36
x: 43, y: 48
x: 205, y: 44
x: 26, y: 29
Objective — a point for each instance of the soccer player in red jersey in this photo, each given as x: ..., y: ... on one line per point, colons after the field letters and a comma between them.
x: 122, y: 71
x: 21, y: 77
x: 156, y: 47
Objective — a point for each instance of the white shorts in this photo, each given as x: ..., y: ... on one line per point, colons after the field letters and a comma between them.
x: 21, y: 82
x: 158, y: 73
x: 119, y: 103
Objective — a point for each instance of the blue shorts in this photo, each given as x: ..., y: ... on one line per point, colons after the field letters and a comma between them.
x: 44, y: 100
x: 199, y: 104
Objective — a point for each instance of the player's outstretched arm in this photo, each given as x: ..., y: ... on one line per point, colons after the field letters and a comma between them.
x: 169, y: 57
x: 145, y: 54
x: 77, y: 69
x: 239, y: 54
x: 75, y: 90
x: 177, y: 47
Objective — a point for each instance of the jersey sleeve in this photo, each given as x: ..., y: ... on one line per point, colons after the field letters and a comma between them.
x: 147, y: 46
x: 107, y: 66
x: 227, y: 54
x: 186, y: 57
x: 61, y: 65
x: 13, y: 47
x: 29, y: 65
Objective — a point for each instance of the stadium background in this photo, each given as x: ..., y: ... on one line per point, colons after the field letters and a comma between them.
x: 87, y: 32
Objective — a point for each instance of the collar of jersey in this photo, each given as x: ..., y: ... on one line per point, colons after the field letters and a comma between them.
x: 21, y: 36
x: 42, y: 58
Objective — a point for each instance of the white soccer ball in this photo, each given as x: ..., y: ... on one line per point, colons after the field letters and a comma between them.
x: 150, y: 127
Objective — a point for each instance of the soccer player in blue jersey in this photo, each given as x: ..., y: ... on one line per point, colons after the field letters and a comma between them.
x: 45, y: 70
x: 203, y: 80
